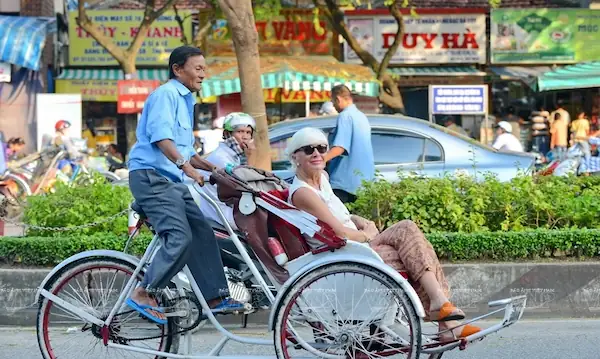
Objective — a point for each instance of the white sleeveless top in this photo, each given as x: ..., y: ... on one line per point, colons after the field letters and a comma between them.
x: 335, y: 205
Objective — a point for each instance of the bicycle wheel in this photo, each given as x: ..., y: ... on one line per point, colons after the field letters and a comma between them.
x: 94, y: 284
x: 347, y: 310
x: 14, y: 194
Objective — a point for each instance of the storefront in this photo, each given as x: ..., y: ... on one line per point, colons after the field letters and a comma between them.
x: 293, y: 87
x: 23, y: 75
x: 93, y: 72
x: 531, y: 46
x: 439, y: 47
x: 294, y: 49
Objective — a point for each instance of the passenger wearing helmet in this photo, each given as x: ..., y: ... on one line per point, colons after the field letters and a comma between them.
x: 62, y: 140
x: 506, y: 141
x: 237, y: 145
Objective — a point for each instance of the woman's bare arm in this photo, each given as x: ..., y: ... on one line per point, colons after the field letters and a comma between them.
x: 306, y: 200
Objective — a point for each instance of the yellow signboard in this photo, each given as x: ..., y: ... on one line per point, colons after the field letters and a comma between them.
x: 121, y: 26
x: 98, y: 90
x: 106, y: 91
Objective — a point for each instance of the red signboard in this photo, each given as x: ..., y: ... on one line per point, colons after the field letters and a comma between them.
x: 132, y: 94
x: 293, y: 32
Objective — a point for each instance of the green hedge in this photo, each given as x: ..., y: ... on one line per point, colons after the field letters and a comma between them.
x: 94, y: 200
x: 526, y: 245
x: 464, y: 204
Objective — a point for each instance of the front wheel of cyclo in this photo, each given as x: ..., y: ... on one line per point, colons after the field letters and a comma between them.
x: 347, y: 310
x: 94, y: 284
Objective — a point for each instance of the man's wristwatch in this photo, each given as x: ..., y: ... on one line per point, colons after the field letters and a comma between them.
x: 180, y: 163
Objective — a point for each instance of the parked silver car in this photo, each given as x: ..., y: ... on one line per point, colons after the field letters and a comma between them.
x: 412, y: 146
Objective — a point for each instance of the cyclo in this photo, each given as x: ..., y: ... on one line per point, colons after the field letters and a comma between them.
x: 339, y: 300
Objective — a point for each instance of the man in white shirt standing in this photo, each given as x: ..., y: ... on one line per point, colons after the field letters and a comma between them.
x: 506, y: 141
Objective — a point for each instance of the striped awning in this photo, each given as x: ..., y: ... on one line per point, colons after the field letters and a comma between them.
x: 527, y: 74
x: 22, y: 39
x: 286, y: 73
x: 584, y: 75
x: 436, y: 71
x: 303, y: 73
x: 112, y: 74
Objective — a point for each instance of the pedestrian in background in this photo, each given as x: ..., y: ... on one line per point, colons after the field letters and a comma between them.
x: 506, y: 140
x: 580, y: 133
x: 560, y: 136
x: 452, y: 126
x: 351, y: 152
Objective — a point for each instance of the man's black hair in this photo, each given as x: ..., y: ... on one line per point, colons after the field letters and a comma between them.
x: 340, y: 90
x: 180, y: 56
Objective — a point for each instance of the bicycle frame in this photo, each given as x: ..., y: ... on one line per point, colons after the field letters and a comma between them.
x: 132, y: 282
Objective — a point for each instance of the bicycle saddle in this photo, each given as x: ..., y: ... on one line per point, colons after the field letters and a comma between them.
x: 138, y: 209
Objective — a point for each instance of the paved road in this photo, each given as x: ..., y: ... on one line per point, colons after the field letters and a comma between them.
x: 571, y: 339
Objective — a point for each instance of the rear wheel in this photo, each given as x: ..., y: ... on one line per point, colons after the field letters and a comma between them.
x: 94, y: 284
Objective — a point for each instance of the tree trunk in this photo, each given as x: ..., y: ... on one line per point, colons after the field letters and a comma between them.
x: 390, y: 94
x: 245, y: 41
x: 128, y: 66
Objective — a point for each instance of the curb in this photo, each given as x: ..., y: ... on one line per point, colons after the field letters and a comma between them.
x: 554, y: 290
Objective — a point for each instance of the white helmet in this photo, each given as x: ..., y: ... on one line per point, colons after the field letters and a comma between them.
x: 238, y: 119
x: 505, y: 126
x: 328, y: 109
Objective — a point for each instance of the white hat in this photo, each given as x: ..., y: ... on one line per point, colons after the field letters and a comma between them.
x: 328, y: 109
x: 505, y: 126
x: 305, y: 137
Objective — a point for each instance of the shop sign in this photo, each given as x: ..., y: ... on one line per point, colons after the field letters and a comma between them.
x: 5, y: 72
x: 458, y: 100
x: 290, y: 96
x: 132, y: 94
x: 541, y: 36
x: 90, y: 90
x: 98, y: 90
x: 293, y: 32
x: 427, y: 39
x: 121, y: 26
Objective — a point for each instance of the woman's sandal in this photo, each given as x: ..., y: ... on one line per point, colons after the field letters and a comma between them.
x: 467, y: 330
x: 446, y: 313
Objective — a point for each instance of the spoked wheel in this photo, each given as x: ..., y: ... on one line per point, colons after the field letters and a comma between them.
x: 347, y: 310
x: 94, y: 285
x: 13, y: 194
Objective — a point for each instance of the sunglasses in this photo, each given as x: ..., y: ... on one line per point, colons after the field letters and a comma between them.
x: 310, y: 149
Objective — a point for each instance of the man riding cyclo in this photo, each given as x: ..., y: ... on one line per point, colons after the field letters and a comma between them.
x: 158, y: 163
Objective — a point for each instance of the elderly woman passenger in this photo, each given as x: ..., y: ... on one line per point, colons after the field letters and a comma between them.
x: 402, y: 246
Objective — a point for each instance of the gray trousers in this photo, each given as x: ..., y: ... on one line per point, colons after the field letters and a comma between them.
x: 187, y: 236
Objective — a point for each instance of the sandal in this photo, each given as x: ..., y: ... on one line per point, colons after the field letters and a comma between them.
x: 446, y: 313
x: 143, y: 310
x: 467, y: 331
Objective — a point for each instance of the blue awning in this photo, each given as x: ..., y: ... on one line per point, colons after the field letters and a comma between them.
x: 22, y: 39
